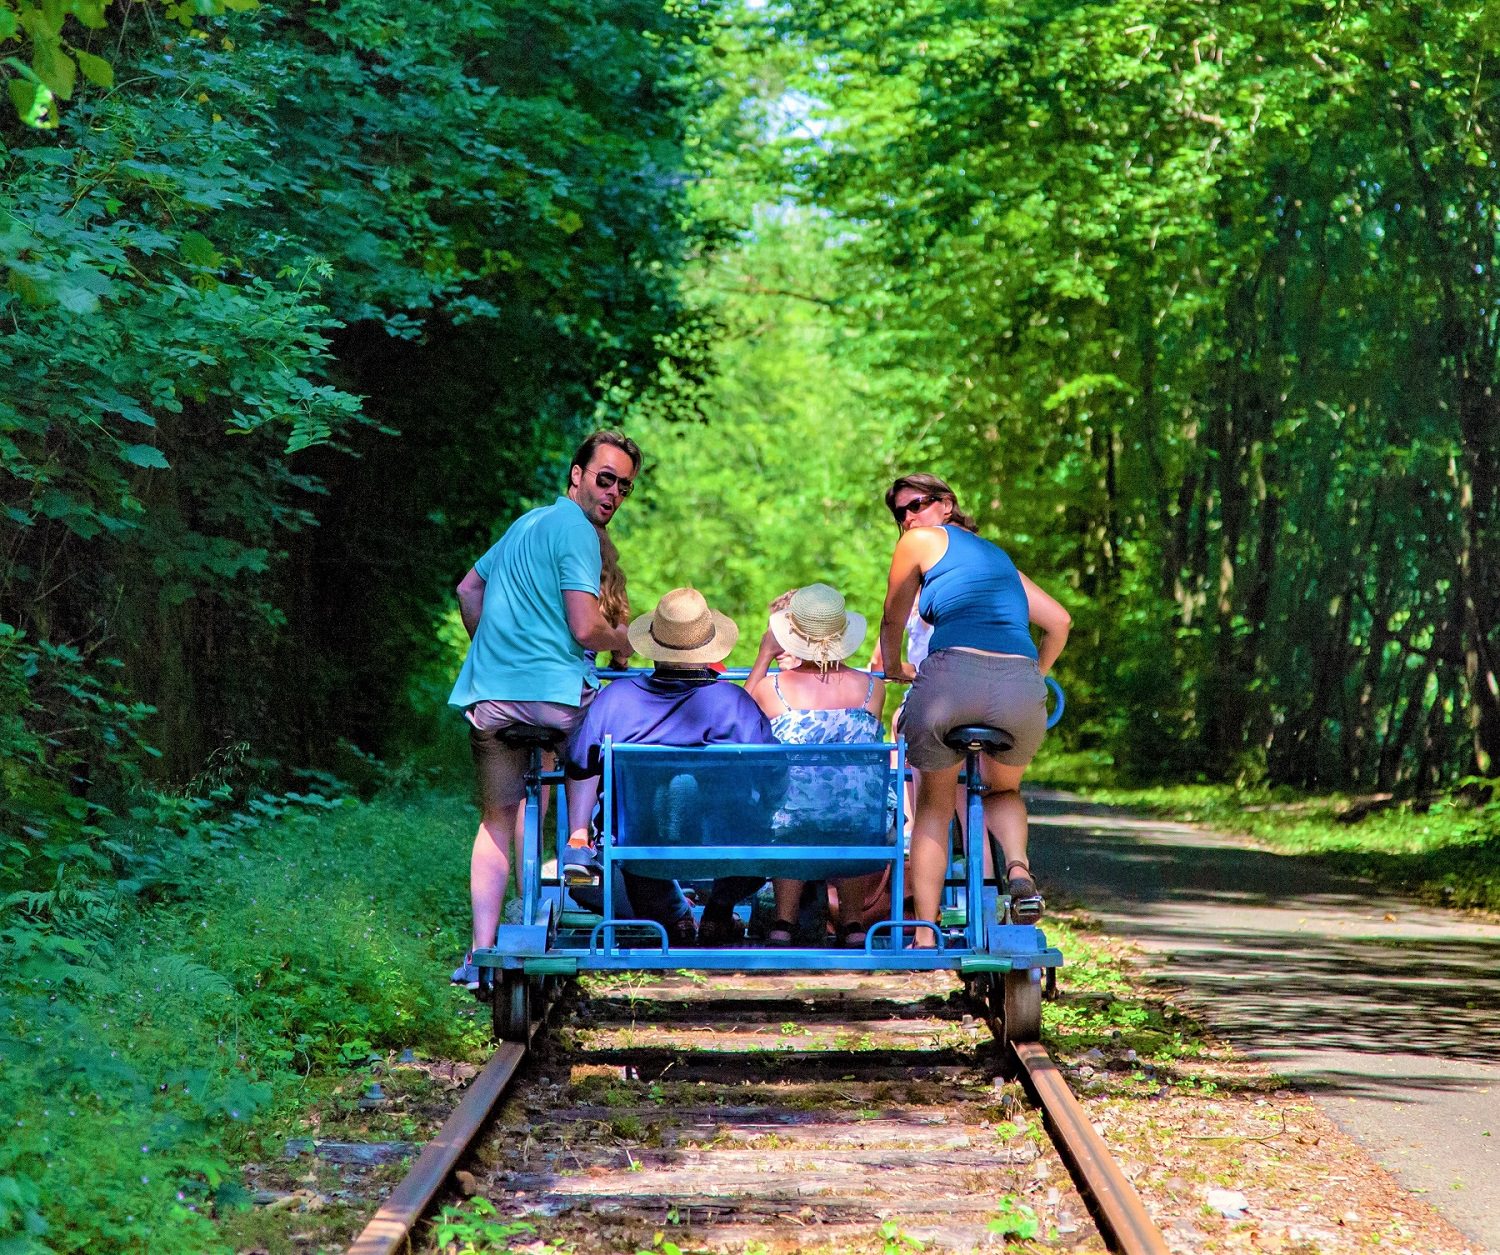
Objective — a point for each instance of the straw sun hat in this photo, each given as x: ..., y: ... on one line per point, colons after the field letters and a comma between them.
x: 683, y: 629
x: 816, y: 626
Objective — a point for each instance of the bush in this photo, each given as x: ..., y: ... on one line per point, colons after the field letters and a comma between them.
x: 146, y: 1051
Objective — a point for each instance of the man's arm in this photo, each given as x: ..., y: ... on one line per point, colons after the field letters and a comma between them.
x: 471, y: 600
x: 588, y: 625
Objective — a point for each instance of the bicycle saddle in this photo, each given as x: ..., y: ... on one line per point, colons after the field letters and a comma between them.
x: 528, y: 736
x: 974, y: 738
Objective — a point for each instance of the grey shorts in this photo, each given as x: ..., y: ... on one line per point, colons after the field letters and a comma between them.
x: 954, y: 688
x: 498, y: 765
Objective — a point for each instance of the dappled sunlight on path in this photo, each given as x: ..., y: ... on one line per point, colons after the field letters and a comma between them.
x: 1386, y: 1010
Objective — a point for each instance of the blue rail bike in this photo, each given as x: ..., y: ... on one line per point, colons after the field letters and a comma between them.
x: 694, y: 815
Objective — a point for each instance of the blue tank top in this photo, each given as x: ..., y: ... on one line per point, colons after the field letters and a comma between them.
x: 973, y: 597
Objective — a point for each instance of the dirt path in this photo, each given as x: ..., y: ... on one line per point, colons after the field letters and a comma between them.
x: 1386, y: 1012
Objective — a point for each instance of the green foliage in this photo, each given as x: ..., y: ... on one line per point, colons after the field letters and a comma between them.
x: 145, y: 1052
x: 224, y: 287
x: 896, y: 1241
x: 472, y: 1229
x: 55, y: 33
x: 765, y: 494
x: 1016, y: 1221
x: 1198, y: 310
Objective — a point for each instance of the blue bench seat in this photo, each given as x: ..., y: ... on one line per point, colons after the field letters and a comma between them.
x: 800, y: 811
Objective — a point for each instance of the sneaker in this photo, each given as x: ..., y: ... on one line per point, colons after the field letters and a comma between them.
x: 581, y: 865
x: 466, y: 974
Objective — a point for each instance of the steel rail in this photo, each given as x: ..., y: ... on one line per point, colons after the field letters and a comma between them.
x: 390, y: 1227
x: 1121, y: 1215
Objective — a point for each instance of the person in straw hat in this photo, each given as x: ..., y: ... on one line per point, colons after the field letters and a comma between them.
x: 822, y: 702
x: 682, y: 702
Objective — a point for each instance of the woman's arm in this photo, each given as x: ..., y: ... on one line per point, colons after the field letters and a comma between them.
x: 915, y: 552
x: 1047, y: 613
x: 755, y: 683
x: 876, y: 704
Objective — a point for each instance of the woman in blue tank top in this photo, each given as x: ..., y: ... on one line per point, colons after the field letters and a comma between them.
x: 982, y: 667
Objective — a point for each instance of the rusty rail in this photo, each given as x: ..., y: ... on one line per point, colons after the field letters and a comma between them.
x: 390, y: 1227
x: 1118, y: 1209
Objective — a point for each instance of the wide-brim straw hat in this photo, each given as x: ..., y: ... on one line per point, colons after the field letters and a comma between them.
x: 683, y: 629
x: 817, y: 626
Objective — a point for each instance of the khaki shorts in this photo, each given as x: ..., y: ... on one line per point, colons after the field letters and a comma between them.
x: 498, y: 765
x: 954, y: 688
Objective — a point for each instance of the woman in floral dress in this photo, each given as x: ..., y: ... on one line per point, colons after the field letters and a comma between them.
x: 821, y: 702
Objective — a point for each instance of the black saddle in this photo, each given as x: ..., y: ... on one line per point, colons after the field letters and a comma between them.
x: 525, y: 736
x: 975, y: 738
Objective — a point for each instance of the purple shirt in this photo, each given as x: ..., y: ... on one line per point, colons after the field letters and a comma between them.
x: 652, y: 710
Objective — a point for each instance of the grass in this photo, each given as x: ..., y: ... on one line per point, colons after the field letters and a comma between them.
x: 1443, y: 849
x: 136, y: 1082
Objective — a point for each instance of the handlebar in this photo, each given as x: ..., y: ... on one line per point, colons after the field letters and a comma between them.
x: 739, y: 673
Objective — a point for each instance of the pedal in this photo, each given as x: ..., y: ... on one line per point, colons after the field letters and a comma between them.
x: 580, y: 875
x: 1027, y: 910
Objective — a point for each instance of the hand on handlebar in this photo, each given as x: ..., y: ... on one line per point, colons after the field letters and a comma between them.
x: 903, y: 673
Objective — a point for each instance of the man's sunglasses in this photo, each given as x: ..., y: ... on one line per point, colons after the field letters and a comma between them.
x: 608, y: 479
x: 915, y: 506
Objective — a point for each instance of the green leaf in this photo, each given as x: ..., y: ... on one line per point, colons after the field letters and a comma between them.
x: 97, y: 70
x: 146, y: 455
x: 198, y: 250
x: 54, y: 67
x: 90, y: 13
x: 32, y: 101
x: 75, y: 298
x: 8, y: 26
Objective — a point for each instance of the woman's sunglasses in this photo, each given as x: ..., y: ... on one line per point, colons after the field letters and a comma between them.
x: 608, y: 479
x: 915, y: 506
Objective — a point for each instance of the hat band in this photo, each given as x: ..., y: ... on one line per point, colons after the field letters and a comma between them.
x: 828, y: 635
x: 694, y: 644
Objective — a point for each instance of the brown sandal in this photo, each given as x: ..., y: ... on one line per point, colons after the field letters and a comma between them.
x: 1025, y: 900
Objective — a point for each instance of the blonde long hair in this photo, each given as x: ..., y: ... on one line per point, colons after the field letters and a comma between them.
x: 614, y: 599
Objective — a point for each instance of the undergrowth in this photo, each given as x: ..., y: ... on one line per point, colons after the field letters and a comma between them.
x: 148, y: 1050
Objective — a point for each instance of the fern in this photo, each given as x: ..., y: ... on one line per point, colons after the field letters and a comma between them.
x: 175, y: 976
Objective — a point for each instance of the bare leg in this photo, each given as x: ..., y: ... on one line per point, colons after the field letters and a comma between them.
x: 501, y: 787
x: 1004, y: 811
x: 583, y: 796
x: 788, y: 899
x: 854, y: 894
x: 929, y: 845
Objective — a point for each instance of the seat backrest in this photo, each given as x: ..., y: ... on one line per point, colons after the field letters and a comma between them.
x: 787, y: 799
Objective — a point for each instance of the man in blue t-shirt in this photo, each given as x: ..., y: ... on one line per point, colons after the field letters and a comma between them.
x: 531, y: 607
x: 681, y: 703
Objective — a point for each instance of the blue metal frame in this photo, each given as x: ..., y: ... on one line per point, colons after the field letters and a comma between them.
x: 554, y: 940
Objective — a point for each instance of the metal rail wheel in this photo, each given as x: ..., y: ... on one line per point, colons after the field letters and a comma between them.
x: 1021, y: 1005
x: 512, y: 1006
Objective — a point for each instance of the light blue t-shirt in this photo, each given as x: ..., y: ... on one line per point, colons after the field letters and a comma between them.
x: 523, y: 650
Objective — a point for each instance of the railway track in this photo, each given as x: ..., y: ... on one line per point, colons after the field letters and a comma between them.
x: 814, y: 1112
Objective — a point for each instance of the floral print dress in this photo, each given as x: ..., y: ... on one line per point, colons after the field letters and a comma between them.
x: 828, y: 801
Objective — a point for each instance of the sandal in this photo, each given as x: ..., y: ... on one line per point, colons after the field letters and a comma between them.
x: 719, y: 928
x: 780, y: 934
x: 851, y: 936
x: 1025, y: 900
